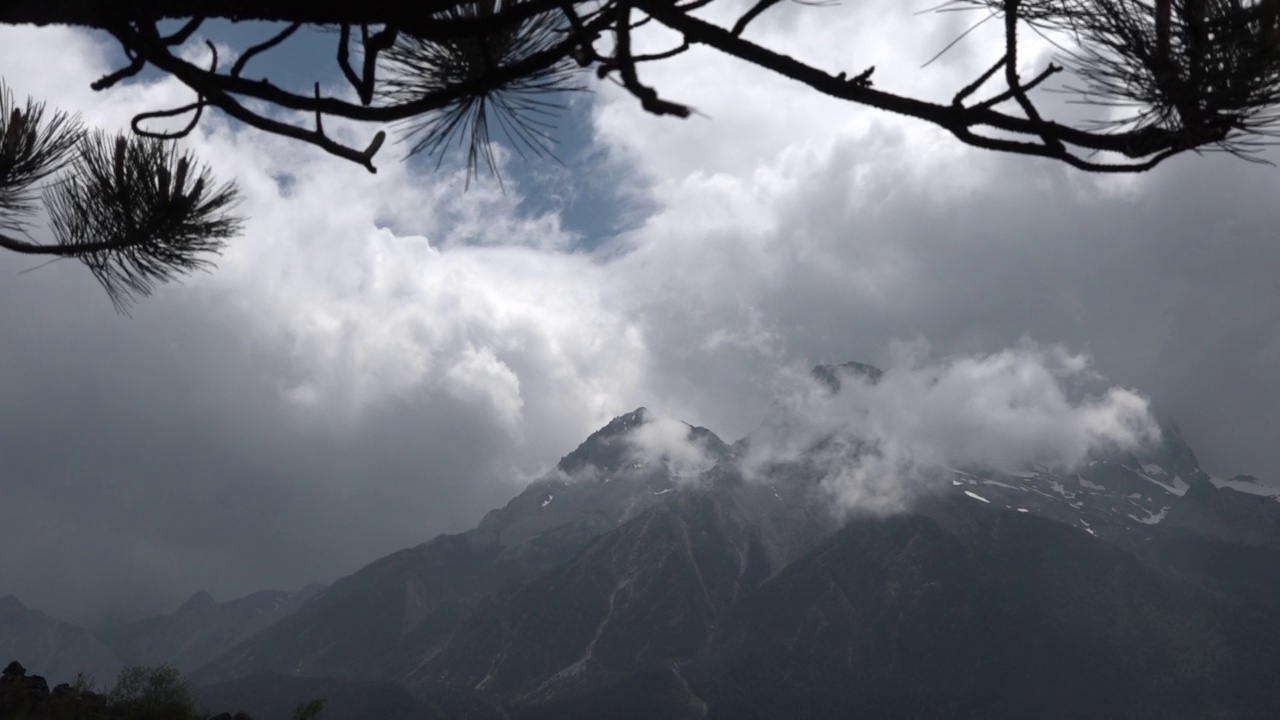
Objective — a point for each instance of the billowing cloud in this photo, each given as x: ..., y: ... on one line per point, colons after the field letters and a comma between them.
x: 665, y: 440
x: 384, y: 357
x: 878, y: 443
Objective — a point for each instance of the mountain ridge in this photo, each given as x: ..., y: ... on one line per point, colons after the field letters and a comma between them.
x: 365, y: 624
x: 630, y: 582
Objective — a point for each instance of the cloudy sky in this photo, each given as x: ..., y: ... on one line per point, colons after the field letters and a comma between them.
x: 381, y: 358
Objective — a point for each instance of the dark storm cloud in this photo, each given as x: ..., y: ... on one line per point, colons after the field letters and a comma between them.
x: 144, y: 459
x: 337, y: 392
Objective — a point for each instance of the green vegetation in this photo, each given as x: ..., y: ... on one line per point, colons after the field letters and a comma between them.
x: 140, y: 693
x: 309, y: 710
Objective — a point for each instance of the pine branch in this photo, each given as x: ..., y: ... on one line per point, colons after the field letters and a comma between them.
x: 32, y: 148
x: 139, y: 213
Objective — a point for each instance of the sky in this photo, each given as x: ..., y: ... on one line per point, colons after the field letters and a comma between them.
x: 382, y: 358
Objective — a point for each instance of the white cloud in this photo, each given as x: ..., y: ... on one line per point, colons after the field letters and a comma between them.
x: 662, y: 439
x: 877, y: 442
x: 785, y: 229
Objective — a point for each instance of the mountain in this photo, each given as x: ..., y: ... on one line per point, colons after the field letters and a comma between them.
x: 51, y: 648
x: 202, y: 628
x: 1158, y: 504
x: 833, y: 377
x: 651, y: 589
x: 957, y: 610
x: 1230, y: 515
x: 625, y: 584
x: 962, y: 610
x: 366, y: 624
x: 1117, y: 494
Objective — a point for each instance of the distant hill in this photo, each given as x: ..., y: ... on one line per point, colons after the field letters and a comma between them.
x: 51, y: 648
x: 202, y: 628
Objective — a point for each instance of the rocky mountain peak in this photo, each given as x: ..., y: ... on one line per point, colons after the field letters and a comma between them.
x: 9, y: 602
x: 618, y: 579
x: 608, y: 478
x: 198, y: 601
x: 832, y: 375
x: 605, y: 448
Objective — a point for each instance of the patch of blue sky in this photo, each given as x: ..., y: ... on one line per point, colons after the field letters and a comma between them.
x: 595, y: 196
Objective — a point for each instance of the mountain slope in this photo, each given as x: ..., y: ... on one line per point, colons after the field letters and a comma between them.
x: 202, y: 628
x: 958, y: 610
x: 52, y: 649
x: 403, y: 605
x: 970, y: 611
x: 619, y: 586
x: 649, y: 590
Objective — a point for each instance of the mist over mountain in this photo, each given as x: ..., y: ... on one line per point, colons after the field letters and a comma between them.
x: 51, y: 648
x: 986, y: 538
x: 201, y: 629
x: 363, y: 624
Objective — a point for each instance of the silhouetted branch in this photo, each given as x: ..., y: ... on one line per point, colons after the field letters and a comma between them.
x: 197, y: 107
x: 135, y: 66
x: 184, y: 33
x: 419, y: 68
x: 973, y: 87
x: 626, y: 66
x: 1199, y: 73
x: 756, y: 11
x: 373, y: 45
x: 33, y: 146
x: 262, y: 47
x: 138, y: 213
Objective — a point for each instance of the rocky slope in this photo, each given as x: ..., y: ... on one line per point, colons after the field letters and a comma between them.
x: 1133, y: 586
x: 965, y: 610
x: 397, y: 610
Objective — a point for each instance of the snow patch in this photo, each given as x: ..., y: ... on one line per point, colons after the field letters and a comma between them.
x: 976, y: 496
x: 1152, y: 518
x: 1253, y: 488
x: 1178, y: 488
x: 1023, y: 510
x: 1087, y: 484
x: 1003, y: 485
x: 1154, y: 469
x: 548, y: 500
